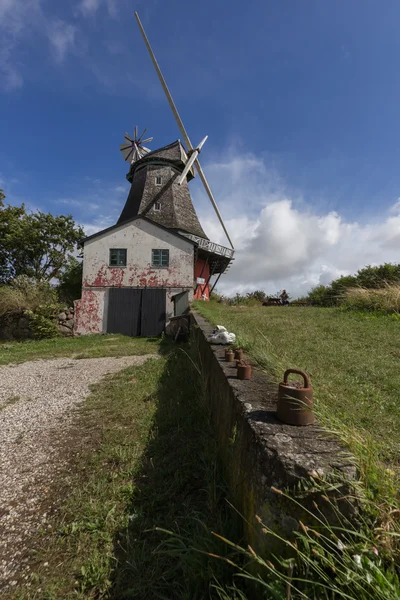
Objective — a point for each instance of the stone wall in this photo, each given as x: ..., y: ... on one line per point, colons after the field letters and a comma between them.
x: 17, y: 327
x: 66, y: 321
x: 259, y: 452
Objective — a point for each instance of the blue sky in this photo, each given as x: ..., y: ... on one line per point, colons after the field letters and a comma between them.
x: 300, y: 101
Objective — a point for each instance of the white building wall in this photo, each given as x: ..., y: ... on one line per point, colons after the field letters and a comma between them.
x: 139, y: 238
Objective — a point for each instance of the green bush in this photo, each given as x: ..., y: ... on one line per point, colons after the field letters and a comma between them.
x: 43, y: 322
x: 36, y: 300
x: 335, y: 294
x: 24, y: 294
x: 378, y: 277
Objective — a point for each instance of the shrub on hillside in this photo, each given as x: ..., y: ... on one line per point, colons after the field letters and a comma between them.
x: 23, y: 294
x: 43, y: 322
x: 385, y: 299
x: 36, y: 300
x: 369, y: 277
x: 258, y: 295
x: 378, y: 277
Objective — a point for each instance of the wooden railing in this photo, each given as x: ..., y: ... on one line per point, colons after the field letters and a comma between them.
x: 209, y: 246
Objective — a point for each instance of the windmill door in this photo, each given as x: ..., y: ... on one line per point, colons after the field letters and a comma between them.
x: 136, y: 312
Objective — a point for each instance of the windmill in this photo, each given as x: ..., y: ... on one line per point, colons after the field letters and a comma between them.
x: 192, y: 152
x: 133, y: 149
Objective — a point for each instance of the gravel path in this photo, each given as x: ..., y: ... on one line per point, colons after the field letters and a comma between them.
x: 37, y: 401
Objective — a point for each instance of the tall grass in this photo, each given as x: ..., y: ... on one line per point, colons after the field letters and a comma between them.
x: 385, y: 299
x: 24, y: 294
x: 322, y: 562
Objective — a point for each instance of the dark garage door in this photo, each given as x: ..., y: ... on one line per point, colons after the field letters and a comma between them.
x: 136, y: 312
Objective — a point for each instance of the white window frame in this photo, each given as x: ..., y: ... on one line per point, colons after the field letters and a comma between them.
x: 157, y: 206
x: 158, y: 180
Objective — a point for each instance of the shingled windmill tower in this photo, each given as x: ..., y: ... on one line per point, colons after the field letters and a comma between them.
x: 156, y: 193
x: 147, y: 267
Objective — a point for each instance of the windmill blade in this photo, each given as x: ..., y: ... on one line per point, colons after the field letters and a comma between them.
x: 203, y: 141
x: 125, y: 147
x: 127, y: 153
x: 190, y: 162
x: 142, y: 134
x: 146, y: 140
x: 132, y: 150
x: 181, y: 127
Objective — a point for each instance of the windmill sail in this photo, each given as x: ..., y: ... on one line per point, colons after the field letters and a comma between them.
x: 132, y: 149
x: 182, y: 128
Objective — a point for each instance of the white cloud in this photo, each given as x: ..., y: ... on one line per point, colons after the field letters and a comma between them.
x: 62, y: 38
x: 102, y: 222
x: 84, y: 205
x: 10, y: 77
x: 16, y: 16
x: 23, y: 22
x: 284, y: 242
x: 90, y: 7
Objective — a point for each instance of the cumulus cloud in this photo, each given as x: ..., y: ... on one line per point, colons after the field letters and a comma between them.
x: 284, y: 242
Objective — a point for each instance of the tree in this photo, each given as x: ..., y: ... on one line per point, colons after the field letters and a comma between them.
x: 2, y: 195
x: 70, y: 287
x: 378, y: 277
x: 257, y: 295
x: 34, y: 244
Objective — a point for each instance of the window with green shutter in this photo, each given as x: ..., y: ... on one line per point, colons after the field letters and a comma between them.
x: 117, y: 257
x: 160, y: 258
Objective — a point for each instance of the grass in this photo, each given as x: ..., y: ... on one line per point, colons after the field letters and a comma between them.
x: 325, y: 562
x: 150, y: 465
x: 87, y: 346
x: 353, y: 362
x: 143, y: 496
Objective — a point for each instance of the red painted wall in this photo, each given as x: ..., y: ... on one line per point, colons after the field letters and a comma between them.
x: 201, y: 269
x: 89, y: 312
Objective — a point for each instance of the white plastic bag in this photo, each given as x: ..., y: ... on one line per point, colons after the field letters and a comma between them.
x: 222, y: 338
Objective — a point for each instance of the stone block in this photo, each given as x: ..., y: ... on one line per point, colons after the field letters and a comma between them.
x: 64, y: 330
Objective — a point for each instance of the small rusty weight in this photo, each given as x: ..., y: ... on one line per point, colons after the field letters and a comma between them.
x: 239, y: 354
x: 229, y: 356
x: 243, y: 370
x: 295, y: 404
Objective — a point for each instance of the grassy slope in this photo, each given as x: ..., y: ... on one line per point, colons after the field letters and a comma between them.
x: 151, y: 462
x: 86, y: 346
x: 352, y: 358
